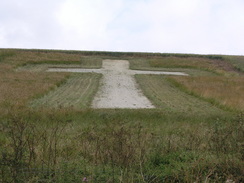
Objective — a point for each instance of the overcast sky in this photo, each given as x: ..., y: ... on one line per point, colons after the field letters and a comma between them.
x: 171, y: 26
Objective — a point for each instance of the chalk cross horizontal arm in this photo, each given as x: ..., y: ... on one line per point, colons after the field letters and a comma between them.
x: 119, y: 88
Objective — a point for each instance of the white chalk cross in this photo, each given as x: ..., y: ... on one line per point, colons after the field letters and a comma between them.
x: 119, y: 88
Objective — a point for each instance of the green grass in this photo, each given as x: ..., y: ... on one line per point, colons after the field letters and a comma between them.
x: 112, y: 145
x: 91, y: 62
x: 6, y: 53
x: 77, y: 92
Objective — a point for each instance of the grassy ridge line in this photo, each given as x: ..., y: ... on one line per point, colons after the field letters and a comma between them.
x: 120, y: 54
x: 77, y: 92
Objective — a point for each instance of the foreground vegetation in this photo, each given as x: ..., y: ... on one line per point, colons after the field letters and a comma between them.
x: 195, y: 134
x: 120, y: 145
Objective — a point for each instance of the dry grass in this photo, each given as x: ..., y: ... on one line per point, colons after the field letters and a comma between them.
x: 195, y: 66
x: 227, y: 91
x: 19, y: 87
x: 33, y: 59
x: 192, y: 62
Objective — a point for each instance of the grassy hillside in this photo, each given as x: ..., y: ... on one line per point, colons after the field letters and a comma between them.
x: 49, y: 133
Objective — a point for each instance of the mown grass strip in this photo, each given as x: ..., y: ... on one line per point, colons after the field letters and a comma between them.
x: 167, y: 96
x: 77, y: 92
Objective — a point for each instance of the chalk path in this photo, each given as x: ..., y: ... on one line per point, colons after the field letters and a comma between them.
x: 119, y: 88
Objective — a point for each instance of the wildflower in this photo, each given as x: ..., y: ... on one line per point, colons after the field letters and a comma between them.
x: 85, y: 179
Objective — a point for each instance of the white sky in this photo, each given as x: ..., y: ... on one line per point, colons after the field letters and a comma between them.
x: 171, y: 26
